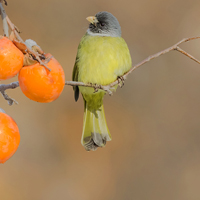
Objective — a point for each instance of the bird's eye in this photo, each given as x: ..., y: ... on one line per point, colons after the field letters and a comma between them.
x: 103, y: 24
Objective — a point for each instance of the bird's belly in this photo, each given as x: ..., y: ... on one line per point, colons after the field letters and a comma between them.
x: 98, y: 70
x: 102, y: 60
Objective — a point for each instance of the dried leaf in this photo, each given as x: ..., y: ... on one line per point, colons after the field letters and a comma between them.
x: 21, y: 46
x: 28, y: 60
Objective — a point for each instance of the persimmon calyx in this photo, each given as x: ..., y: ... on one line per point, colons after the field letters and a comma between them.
x: 28, y: 60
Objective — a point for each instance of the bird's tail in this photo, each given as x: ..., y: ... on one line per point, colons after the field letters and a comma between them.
x: 95, y: 130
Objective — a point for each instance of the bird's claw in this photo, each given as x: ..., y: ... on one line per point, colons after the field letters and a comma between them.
x: 95, y: 86
x: 100, y: 87
x: 120, y: 81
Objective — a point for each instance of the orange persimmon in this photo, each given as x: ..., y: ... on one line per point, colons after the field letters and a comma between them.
x: 41, y: 85
x: 11, y: 59
x: 9, y: 137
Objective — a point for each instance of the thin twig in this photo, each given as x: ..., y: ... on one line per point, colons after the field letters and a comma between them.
x: 5, y: 24
x: 4, y: 87
x: 10, y: 100
x: 187, y: 54
x: 30, y: 51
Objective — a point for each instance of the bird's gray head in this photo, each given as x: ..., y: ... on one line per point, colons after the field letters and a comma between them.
x: 104, y: 24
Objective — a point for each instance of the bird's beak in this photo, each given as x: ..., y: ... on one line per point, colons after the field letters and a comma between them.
x: 92, y: 20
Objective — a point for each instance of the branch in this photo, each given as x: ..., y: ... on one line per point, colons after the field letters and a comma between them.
x: 3, y: 16
x: 10, y: 100
x: 4, y: 87
x: 96, y: 87
x: 108, y: 88
x: 187, y: 54
x: 12, y: 85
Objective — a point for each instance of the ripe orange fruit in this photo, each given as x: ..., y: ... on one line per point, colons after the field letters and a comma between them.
x: 41, y: 85
x: 9, y: 137
x: 11, y: 59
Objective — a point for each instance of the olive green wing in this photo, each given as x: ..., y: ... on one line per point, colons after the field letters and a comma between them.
x: 76, y: 70
x: 75, y: 78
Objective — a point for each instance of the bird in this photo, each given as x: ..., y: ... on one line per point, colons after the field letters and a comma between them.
x: 102, y: 57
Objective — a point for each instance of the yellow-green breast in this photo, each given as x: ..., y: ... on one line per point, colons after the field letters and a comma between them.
x: 102, y: 59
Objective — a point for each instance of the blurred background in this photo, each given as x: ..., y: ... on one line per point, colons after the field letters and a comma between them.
x: 154, y: 119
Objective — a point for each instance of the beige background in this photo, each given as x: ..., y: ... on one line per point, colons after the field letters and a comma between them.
x: 154, y: 120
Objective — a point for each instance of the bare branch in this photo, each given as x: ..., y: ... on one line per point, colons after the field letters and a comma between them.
x: 109, y: 88
x: 12, y: 85
x: 8, y: 99
x: 3, y: 16
x: 187, y: 54
x: 4, y: 87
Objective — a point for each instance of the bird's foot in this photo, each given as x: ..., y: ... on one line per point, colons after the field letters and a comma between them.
x: 95, y: 86
x: 120, y: 81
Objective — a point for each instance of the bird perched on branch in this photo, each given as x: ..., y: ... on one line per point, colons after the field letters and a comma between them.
x: 102, y: 58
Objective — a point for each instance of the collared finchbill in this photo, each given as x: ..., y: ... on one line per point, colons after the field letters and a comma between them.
x: 102, y: 56
x: 92, y: 20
